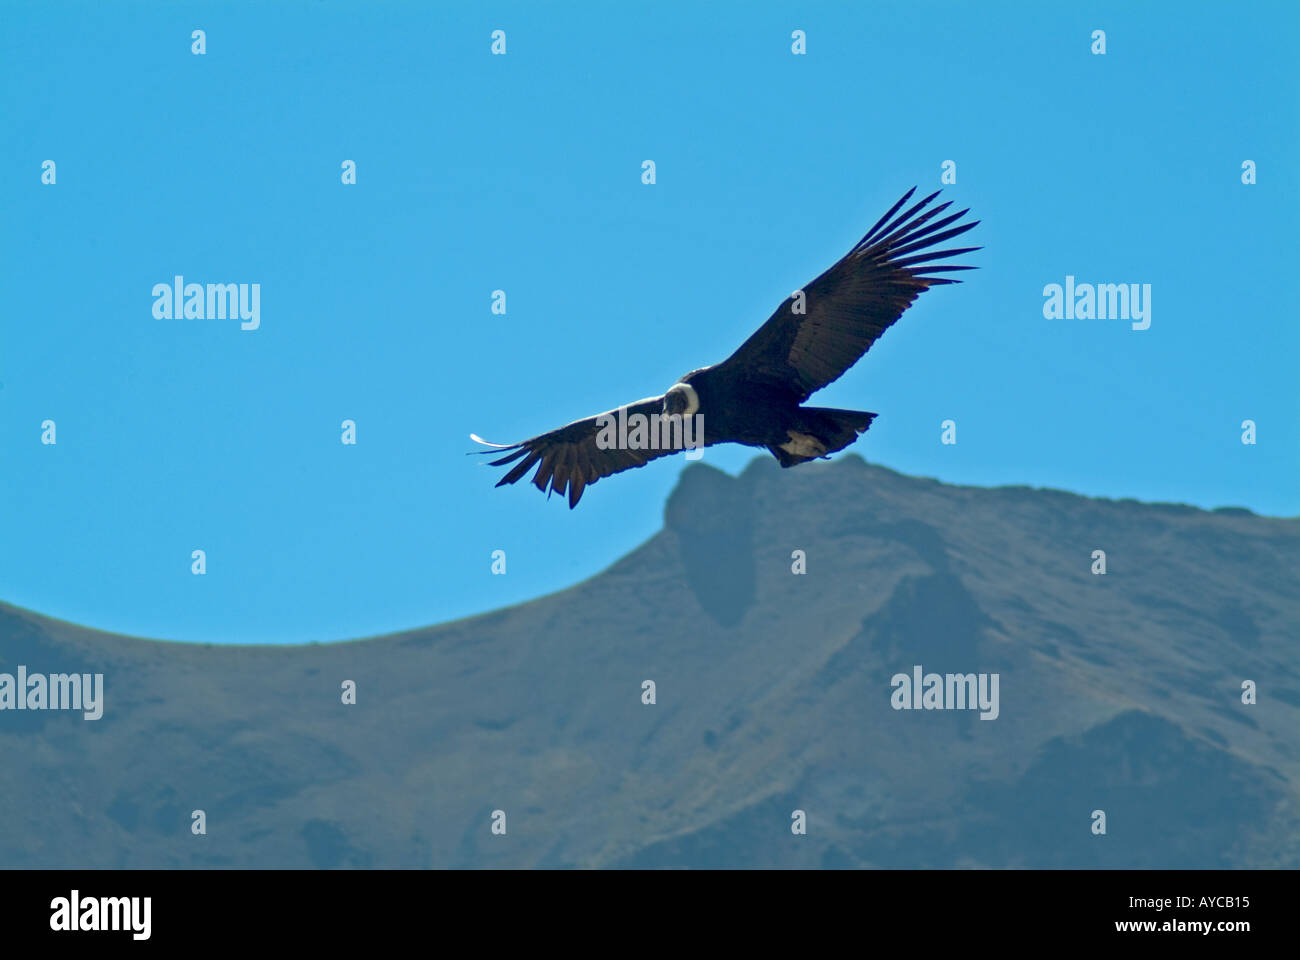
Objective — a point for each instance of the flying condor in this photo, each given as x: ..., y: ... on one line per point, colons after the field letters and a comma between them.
x: 755, y: 396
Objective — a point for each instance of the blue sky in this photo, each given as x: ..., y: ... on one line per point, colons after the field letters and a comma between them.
x: 523, y: 173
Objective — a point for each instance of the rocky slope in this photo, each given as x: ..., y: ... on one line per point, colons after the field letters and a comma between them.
x: 1119, y: 692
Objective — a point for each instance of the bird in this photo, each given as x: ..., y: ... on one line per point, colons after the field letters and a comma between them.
x: 755, y: 397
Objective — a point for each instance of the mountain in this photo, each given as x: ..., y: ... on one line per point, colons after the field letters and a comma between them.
x: 1119, y: 692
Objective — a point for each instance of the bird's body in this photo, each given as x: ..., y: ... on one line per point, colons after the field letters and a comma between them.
x: 756, y: 396
x: 762, y: 414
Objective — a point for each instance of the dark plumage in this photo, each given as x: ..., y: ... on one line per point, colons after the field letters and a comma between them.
x: 754, y: 397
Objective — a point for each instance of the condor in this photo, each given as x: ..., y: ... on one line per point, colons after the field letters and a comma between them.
x: 755, y: 397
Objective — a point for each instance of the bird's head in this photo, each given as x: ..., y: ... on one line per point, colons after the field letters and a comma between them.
x: 681, y: 400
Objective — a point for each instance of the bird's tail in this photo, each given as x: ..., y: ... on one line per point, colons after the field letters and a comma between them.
x: 828, y: 431
x: 838, y: 428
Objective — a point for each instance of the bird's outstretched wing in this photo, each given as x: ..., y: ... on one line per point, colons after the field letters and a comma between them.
x: 849, y: 306
x: 570, y: 458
